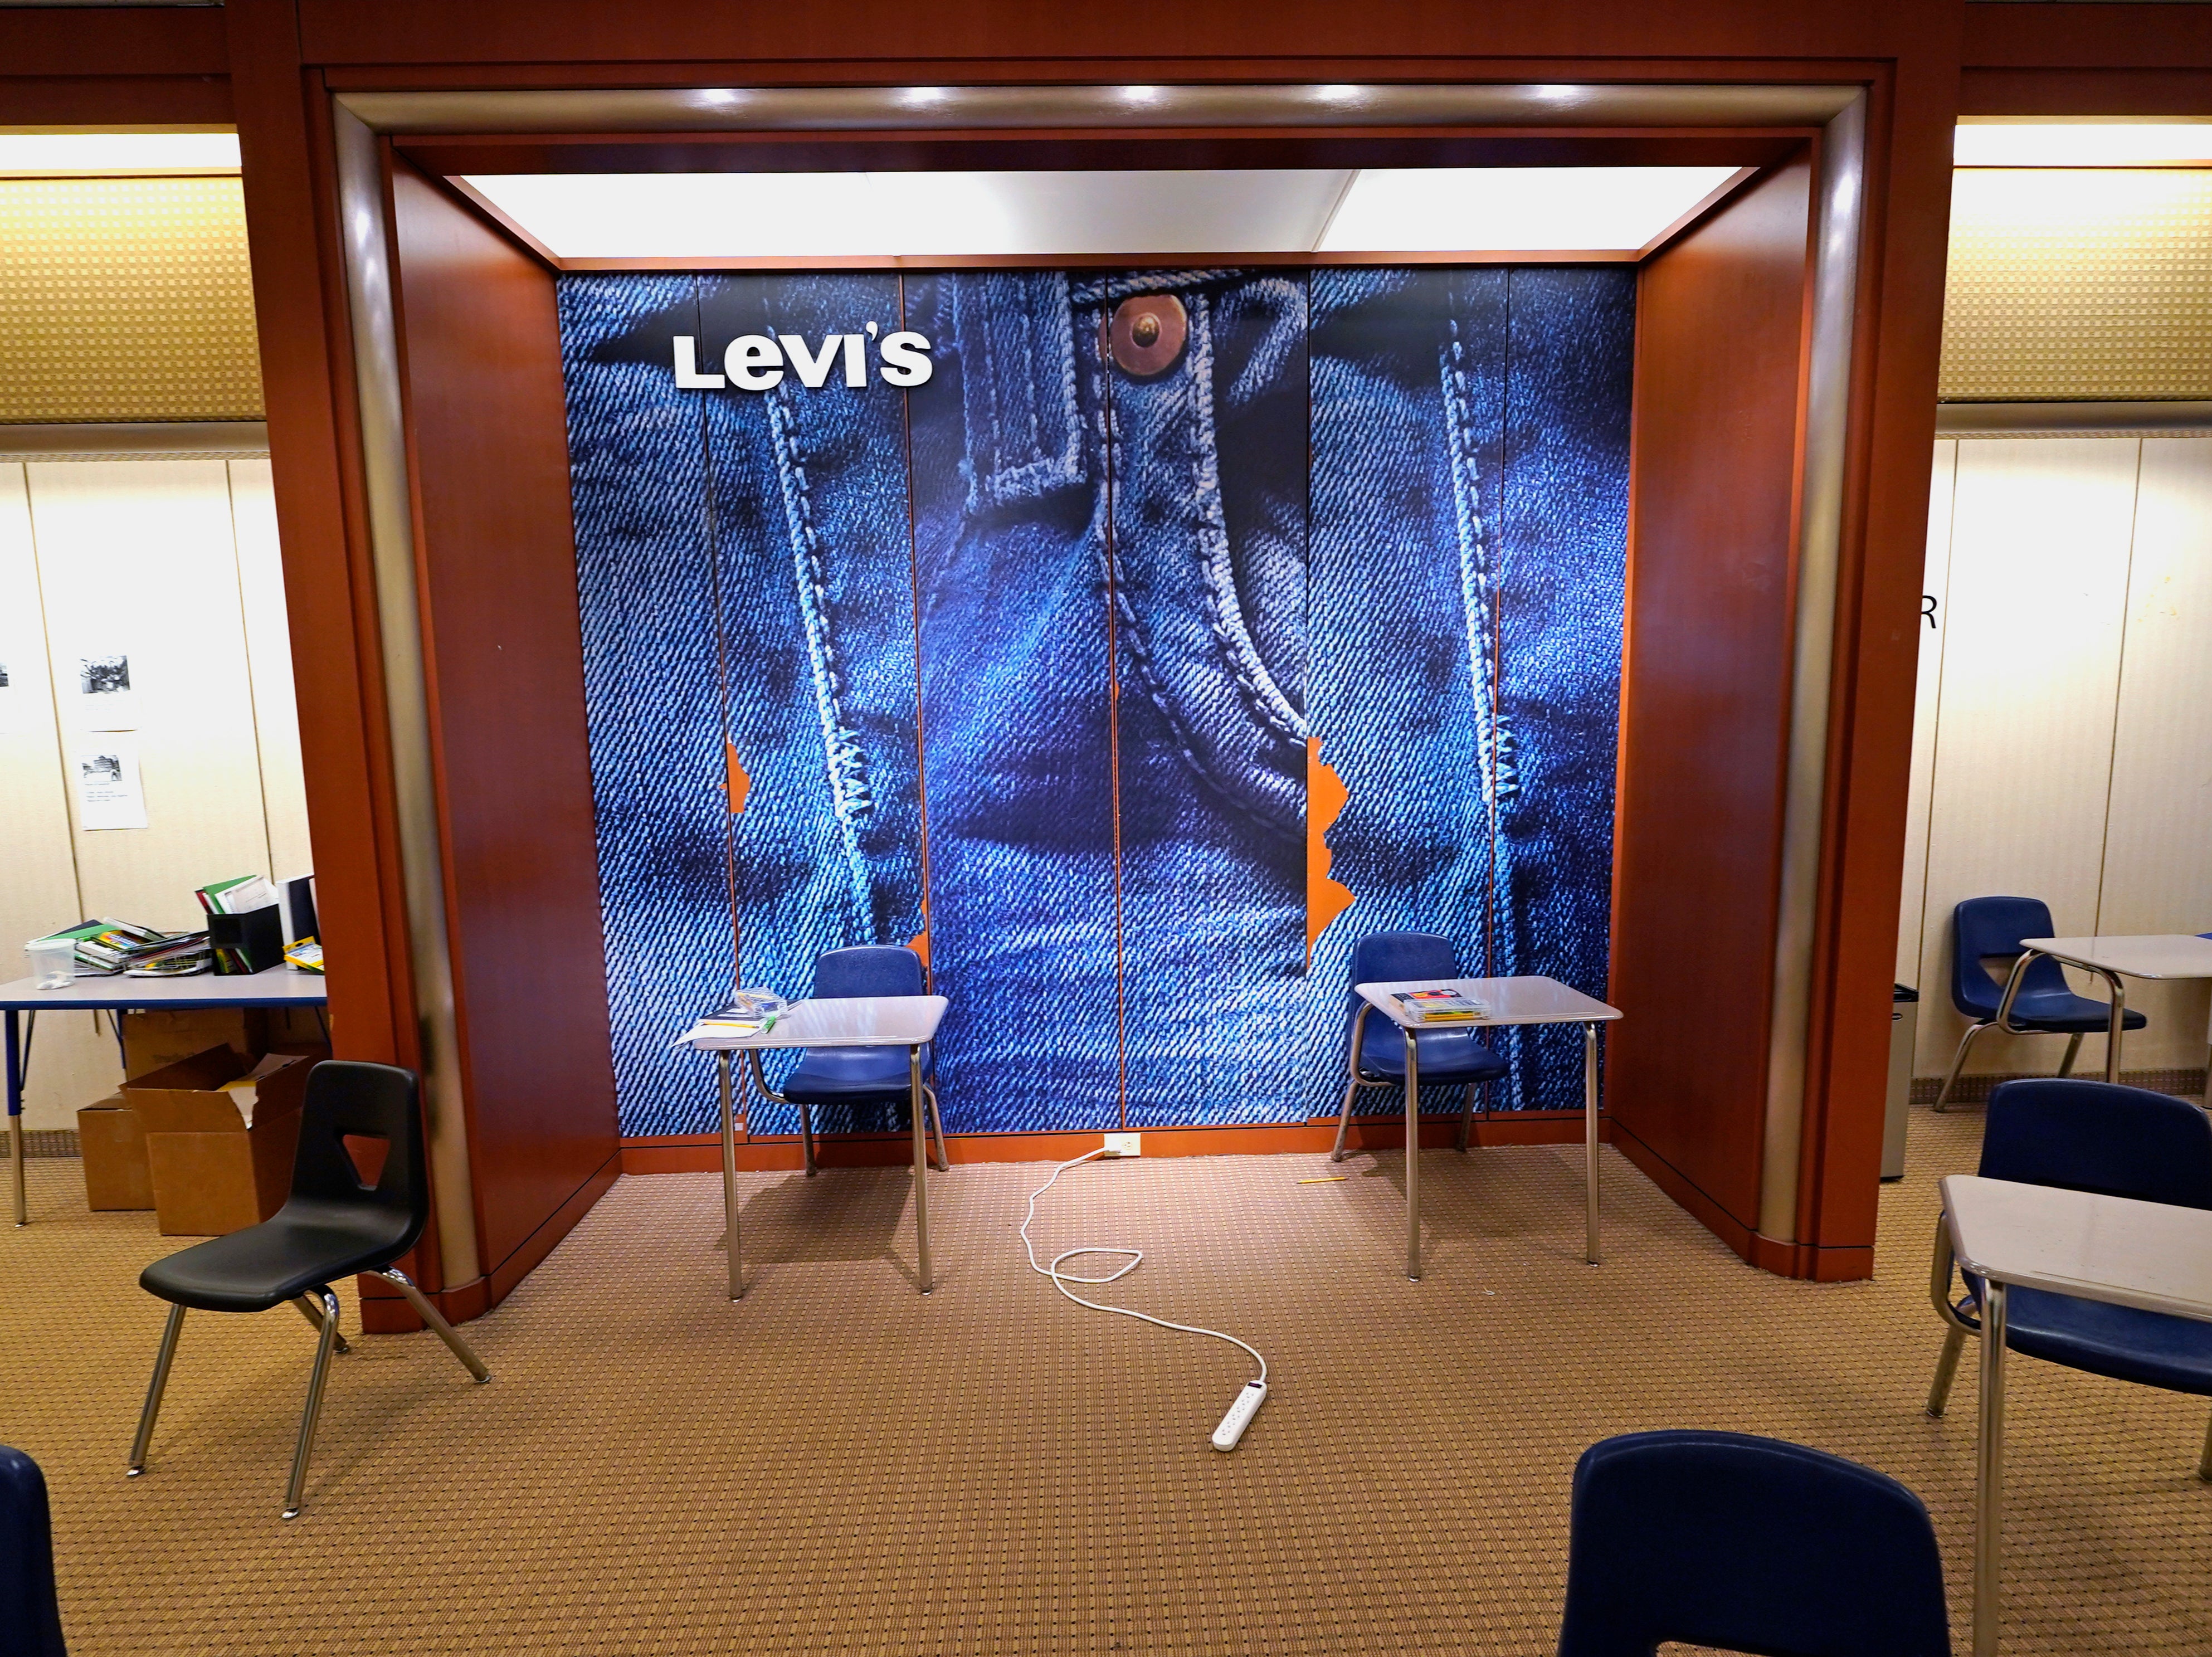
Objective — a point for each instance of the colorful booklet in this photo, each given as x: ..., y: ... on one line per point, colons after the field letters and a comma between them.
x: 1441, y: 1006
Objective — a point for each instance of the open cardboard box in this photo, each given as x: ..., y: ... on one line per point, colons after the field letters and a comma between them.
x: 221, y: 1129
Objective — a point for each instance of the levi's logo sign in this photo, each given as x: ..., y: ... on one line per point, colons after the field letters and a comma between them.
x: 758, y: 363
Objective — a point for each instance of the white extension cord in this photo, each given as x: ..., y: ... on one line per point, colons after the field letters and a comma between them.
x: 1255, y: 1393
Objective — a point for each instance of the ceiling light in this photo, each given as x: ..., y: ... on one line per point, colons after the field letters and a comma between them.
x: 1481, y: 210
x: 791, y: 218
x: 2083, y: 143
x: 75, y: 155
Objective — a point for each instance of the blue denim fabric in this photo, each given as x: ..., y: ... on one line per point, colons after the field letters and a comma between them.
x: 1098, y: 554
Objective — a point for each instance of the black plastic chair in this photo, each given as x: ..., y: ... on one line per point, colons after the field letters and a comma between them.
x: 30, y: 1614
x: 334, y: 1224
x: 1747, y: 1545
x: 1991, y: 928
x: 855, y: 1075
x: 1374, y: 1049
x: 2118, y: 1142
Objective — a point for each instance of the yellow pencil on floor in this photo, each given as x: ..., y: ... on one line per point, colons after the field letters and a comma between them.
x: 1326, y: 1178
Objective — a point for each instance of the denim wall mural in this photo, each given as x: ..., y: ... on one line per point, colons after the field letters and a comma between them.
x: 1055, y: 663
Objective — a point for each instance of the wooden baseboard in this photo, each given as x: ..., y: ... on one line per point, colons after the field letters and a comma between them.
x: 385, y: 1310
x: 701, y: 1153
x: 1849, y: 1264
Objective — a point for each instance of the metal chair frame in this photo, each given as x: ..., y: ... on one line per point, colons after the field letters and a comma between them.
x: 320, y: 1309
x: 941, y: 1162
x: 1355, y: 1079
x: 2003, y: 1021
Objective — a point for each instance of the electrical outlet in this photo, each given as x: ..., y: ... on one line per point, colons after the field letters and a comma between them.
x: 1124, y: 1144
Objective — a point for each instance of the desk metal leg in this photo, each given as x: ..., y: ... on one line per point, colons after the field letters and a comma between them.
x: 1412, y: 1159
x: 730, y: 1181
x: 2115, y: 1028
x: 16, y: 1111
x: 1589, y: 1138
x: 1988, y: 1473
x: 920, y: 1166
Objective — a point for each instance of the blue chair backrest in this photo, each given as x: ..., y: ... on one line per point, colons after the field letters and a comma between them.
x: 2093, y: 1136
x: 1747, y: 1545
x: 869, y: 970
x: 1994, y: 926
x: 1393, y: 957
x: 30, y: 1616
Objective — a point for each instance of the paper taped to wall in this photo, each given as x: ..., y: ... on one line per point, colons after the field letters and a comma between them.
x: 104, y: 768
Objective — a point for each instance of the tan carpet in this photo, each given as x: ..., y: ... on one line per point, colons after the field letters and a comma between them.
x: 839, y: 1464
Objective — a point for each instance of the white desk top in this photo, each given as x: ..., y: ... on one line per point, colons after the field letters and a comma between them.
x: 1510, y: 1001
x: 279, y: 987
x: 2154, y: 1256
x: 868, y: 1021
x: 2157, y: 955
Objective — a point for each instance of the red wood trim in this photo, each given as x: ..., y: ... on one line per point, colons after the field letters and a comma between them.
x: 2061, y: 92
x: 701, y: 1153
x: 109, y: 101
x: 110, y: 43
x: 2086, y: 37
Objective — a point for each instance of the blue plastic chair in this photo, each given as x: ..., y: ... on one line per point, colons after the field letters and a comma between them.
x: 1374, y: 1049
x: 855, y: 1075
x: 1992, y: 927
x: 30, y: 1615
x: 1747, y: 1545
x: 2121, y: 1142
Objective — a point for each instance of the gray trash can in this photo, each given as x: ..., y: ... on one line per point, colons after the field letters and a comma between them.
x: 1903, y: 1036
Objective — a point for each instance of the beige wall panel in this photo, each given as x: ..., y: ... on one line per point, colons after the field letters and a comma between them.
x: 2158, y: 846
x: 1912, y: 901
x: 139, y: 556
x: 72, y: 1062
x: 269, y: 660
x: 2038, y: 590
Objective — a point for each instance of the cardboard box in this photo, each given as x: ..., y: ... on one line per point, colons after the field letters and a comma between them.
x: 116, y: 1173
x: 151, y: 1040
x: 220, y: 1152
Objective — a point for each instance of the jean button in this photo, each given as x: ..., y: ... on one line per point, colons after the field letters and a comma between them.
x: 1145, y: 335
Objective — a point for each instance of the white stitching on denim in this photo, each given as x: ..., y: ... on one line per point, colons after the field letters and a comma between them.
x: 847, y: 760
x: 1478, y: 580
x: 1225, y: 610
x: 992, y: 483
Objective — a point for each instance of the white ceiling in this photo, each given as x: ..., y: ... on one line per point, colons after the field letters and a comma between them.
x: 598, y: 217
x: 80, y: 154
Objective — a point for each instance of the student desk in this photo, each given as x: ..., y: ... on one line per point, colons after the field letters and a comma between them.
x: 2155, y: 1257
x: 1511, y: 1001
x: 2155, y: 955
x: 279, y: 987
x: 872, y: 1020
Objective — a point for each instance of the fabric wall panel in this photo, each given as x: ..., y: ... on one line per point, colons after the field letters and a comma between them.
x: 139, y: 558
x: 2023, y: 750
x: 75, y: 1054
x: 269, y: 663
x: 2157, y: 877
x: 1935, y: 584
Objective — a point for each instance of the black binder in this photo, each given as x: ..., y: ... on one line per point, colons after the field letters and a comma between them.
x: 250, y: 943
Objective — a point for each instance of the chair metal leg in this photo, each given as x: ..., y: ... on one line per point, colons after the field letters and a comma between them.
x: 2204, y: 1461
x: 431, y: 1315
x: 1466, y: 1116
x: 1966, y: 1045
x: 306, y: 1309
x: 1343, y: 1121
x: 155, y: 1388
x: 806, y: 1138
x: 313, y: 1412
x: 2073, y: 1046
x: 936, y: 1126
x: 1947, y: 1371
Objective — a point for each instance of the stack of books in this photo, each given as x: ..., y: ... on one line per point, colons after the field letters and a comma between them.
x: 241, y: 896
x: 747, y: 1012
x: 1441, y: 1006
x: 106, y: 948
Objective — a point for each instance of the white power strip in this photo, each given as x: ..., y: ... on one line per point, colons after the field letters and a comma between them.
x: 1247, y: 1402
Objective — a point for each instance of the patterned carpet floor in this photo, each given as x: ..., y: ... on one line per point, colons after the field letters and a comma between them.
x: 839, y: 1465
